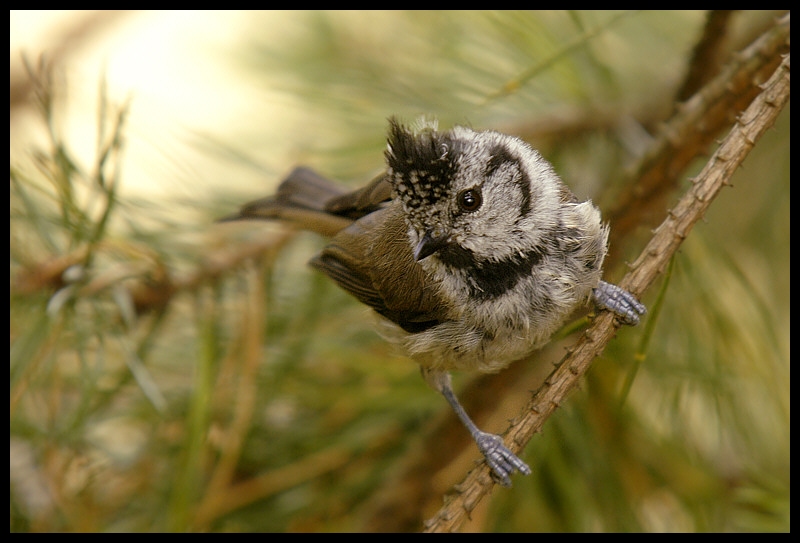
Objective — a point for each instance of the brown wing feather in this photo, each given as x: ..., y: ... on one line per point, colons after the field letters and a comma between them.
x: 393, y: 283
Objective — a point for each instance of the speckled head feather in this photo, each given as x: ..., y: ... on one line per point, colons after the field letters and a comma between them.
x: 421, y: 164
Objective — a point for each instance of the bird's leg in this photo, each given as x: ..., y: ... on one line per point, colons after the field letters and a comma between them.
x: 619, y: 301
x: 500, y: 459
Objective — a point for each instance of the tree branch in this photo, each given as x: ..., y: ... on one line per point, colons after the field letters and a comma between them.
x: 707, y: 53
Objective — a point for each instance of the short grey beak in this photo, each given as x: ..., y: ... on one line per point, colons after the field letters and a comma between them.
x: 428, y: 245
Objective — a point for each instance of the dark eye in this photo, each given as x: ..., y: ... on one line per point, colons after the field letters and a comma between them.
x: 470, y: 199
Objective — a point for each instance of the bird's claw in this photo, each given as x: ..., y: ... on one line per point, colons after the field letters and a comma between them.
x: 500, y: 459
x: 620, y: 302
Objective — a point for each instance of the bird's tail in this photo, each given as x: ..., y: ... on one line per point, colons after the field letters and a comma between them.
x: 300, y: 200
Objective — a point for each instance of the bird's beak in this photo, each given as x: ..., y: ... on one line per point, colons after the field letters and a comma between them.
x: 429, y: 244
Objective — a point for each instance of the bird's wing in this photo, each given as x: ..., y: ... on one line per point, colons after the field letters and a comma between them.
x: 372, y: 260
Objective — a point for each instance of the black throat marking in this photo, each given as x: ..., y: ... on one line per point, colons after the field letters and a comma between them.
x: 489, y: 279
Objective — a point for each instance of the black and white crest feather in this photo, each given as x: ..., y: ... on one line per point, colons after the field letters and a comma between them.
x: 420, y: 163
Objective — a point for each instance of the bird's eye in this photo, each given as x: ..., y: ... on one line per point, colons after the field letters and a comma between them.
x: 470, y: 199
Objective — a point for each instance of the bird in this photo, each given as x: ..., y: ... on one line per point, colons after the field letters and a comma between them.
x: 469, y: 247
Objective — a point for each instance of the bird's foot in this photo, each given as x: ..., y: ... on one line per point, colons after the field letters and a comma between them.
x: 620, y: 302
x: 502, y: 461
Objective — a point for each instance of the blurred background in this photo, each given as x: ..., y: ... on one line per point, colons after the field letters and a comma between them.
x: 169, y: 373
